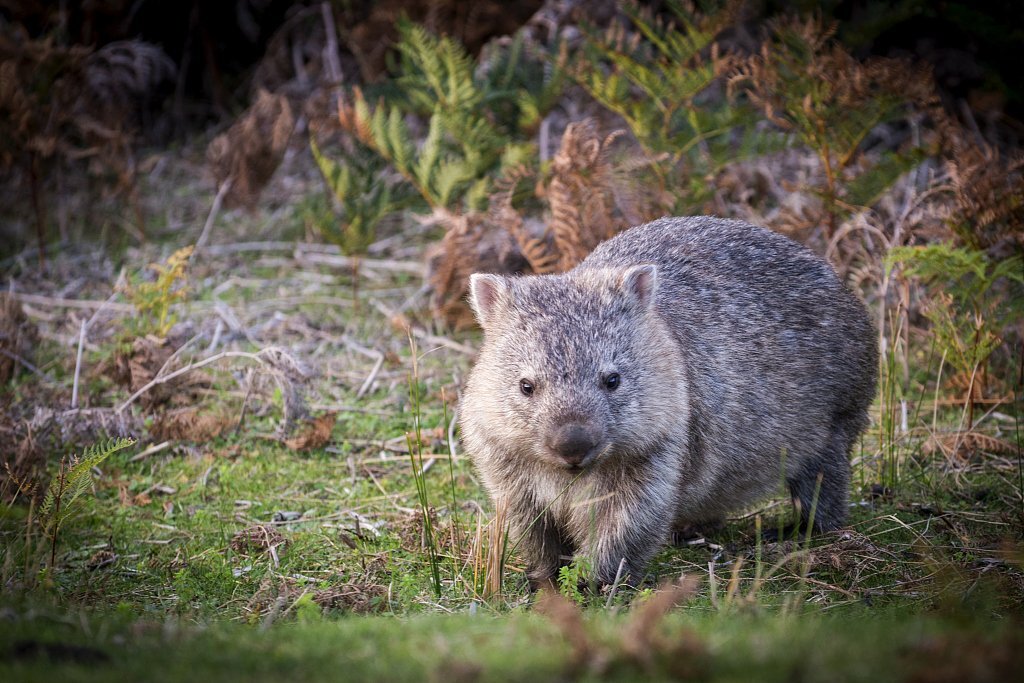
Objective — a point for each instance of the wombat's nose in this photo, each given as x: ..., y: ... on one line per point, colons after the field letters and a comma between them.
x: 573, y: 442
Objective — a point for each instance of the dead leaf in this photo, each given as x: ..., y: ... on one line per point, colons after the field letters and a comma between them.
x: 147, y: 357
x: 251, y: 150
x: 314, y: 433
x: 189, y: 424
x: 258, y: 538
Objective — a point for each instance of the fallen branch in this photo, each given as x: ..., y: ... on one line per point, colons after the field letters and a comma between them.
x: 42, y: 300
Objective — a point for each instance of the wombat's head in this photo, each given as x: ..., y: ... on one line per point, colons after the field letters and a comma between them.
x: 576, y: 369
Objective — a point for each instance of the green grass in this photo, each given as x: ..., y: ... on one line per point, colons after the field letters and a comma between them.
x: 350, y: 590
x: 867, y: 646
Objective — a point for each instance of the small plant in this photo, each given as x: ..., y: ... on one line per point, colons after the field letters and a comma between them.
x: 973, y: 299
x: 153, y: 300
x: 573, y: 577
x: 661, y: 80
x: 363, y: 199
x: 72, y: 479
x: 473, y: 123
x: 414, y: 440
x: 810, y: 86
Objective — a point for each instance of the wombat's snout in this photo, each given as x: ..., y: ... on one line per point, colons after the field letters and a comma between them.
x: 574, y: 442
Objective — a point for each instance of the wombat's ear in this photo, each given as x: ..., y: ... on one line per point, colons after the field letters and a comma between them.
x: 487, y: 295
x: 640, y: 283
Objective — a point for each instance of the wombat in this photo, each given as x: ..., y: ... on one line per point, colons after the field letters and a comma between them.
x: 680, y: 372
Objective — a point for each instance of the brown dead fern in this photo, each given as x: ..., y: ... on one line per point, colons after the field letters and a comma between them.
x: 583, y: 211
x: 988, y: 189
x: 251, y: 150
x: 471, y: 244
x: 538, y: 249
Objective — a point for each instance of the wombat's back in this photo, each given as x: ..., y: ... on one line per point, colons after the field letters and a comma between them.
x: 781, y: 357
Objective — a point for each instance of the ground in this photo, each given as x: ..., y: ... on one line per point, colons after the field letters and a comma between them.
x: 228, y: 542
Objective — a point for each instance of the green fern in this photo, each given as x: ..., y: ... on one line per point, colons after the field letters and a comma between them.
x: 814, y: 90
x: 660, y: 79
x: 573, y: 577
x: 72, y: 480
x: 363, y: 199
x: 477, y: 119
x: 972, y: 299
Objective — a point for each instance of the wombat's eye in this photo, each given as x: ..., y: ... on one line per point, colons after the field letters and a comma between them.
x: 526, y: 386
x: 611, y: 382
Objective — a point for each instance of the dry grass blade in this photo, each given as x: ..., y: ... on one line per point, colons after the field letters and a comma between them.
x: 251, y: 150
x: 568, y: 619
x: 639, y: 639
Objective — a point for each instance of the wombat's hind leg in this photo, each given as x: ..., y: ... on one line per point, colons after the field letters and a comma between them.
x: 821, y: 488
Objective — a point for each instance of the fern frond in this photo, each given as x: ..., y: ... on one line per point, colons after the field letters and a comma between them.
x: 64, y: 490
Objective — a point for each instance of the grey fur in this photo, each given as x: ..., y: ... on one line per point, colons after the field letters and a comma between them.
x: 739, y: 352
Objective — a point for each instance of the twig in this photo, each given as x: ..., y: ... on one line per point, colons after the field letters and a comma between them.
x: 615, y: 583
x: 224, y: 188
x: 347, y: 262
x: 78, y: 365
x: 371, y: 377
x: 150, y: 451
x: 331, y: 47
x: 217, y: 331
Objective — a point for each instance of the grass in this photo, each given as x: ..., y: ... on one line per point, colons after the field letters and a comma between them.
x: 244, y: 559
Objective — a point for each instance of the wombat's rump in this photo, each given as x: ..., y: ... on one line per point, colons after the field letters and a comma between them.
x: 678, y: 373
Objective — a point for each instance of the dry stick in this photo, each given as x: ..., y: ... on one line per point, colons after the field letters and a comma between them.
x: 330, y: 51
x: 78, y: 365
x: 150, y: 451
x: 212, y: 216
x: 371, y: 377
x: 615, y: 583
x: 347, y: 262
